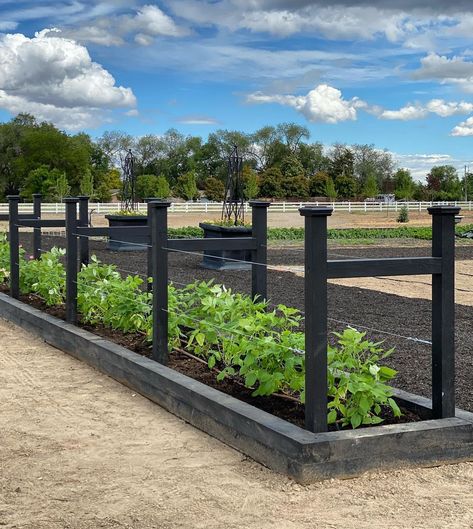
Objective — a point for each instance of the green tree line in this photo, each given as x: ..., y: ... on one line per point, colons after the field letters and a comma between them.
x: 280, y: 162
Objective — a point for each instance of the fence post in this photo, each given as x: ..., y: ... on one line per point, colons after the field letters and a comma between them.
x: 316, y: 342
x: 84, y: 222
x: 37, y: 231
x: 14, y: 239
x: 443, y: 312
x: 159, y: 237
x: 149, y: 252
x: 71, y: 259
x: 259, y: 272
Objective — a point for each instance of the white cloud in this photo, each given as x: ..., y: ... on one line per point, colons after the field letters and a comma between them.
x: 421, y: 164
x: 144, y: 26
x: 405, y: 113
x: 322, y: 104
x: 454, y: 70
x: 55, y: 79
x: 439, y: 107
x: 197, y: 120
x: 465, y: 128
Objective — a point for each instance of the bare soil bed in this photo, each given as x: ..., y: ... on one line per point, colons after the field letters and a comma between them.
x: 396, y: 315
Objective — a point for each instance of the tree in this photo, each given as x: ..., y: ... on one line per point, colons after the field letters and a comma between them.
x: 214, y: 189
x: 250, y: 183
x: 443, y: 183
x: 292, y: 134
x: 186, y: 186
x: 345, y: 186
x: 60, y: 188
x: 341, y: 162
x: 404, y: 185
x: 295, y: 186
x: 318, y: 184
x: 292, y: 167
x: 87, y: 185
x: 151, y: 186
x: 330, y: 190
x: 271, y: 183
x: 370, y: 188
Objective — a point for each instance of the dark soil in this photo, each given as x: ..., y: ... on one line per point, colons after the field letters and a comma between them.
x: 384, y: 312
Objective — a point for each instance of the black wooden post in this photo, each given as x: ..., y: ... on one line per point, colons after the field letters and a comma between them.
x: 84, y: 223
x: 149, y: 268
x: 443, y: 312
x: 316, y: 342
x: 37, y: 231
x: 71, y: 259
x: 159, y: 237
x: 14, y: 239
x: 259, y: 272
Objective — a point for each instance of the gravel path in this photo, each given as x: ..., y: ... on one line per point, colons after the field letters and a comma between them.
x: 80, y: 451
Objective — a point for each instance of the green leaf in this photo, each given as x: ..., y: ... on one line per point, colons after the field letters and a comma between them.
x: 332, y: 416
x: 211, y: 362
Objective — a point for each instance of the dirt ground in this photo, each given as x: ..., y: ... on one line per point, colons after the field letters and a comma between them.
x: 339, y: 219
x: 80, y: 451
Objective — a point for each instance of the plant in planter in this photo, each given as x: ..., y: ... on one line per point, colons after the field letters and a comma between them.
x: 232, y: 223
x: 132, y: 239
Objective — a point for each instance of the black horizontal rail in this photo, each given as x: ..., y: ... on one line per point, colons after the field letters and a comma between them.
x: 6, y: 216
x: 41, y: 223
x: 94, y: 232
x: 400, y: 266
x: 191, y: 245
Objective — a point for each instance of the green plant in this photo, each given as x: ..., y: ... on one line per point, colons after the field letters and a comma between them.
x: 4, y: 258
x: 214, y: 189
x: 45, y: 276
x: 356, y: 381
x: 403, y: 214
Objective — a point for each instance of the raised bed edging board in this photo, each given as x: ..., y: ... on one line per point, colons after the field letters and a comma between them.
x: 281, y: 446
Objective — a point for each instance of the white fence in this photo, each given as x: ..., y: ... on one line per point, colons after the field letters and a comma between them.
x: 216, y: 207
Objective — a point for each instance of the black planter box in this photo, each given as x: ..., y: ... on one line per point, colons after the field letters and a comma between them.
x: 217, y: 259
x: 280, y: 445
x: 124, y: 240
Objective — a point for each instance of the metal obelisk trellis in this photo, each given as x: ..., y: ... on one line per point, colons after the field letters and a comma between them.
x: 129, y: 194
x: 233, y: 211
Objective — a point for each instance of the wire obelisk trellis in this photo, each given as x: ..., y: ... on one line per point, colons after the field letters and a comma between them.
x: 233, y: 211
x: 129, y: 194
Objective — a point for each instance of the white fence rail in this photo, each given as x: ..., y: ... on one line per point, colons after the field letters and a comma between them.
x: 216, y: 207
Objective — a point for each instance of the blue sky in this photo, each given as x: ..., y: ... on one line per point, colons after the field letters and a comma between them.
x: 399, y: 77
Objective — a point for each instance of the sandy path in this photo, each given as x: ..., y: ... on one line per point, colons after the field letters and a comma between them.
x: 80, y: 451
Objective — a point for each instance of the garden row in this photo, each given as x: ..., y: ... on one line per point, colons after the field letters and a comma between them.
x: 402, y: 232
x: 238, y: 337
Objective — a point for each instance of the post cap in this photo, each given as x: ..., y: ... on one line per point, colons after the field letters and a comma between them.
x: 13, y: 198
x: 37, y: 195
x: 70, y: 200
x: 259, y: 203
x: 83, y: 197
x: 316, y: 211
x: 444, y: 210
x: 159, y: 203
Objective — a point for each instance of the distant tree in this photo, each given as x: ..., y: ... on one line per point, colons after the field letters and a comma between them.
x: 404, y: 185
x: 345, y: 186
x: 186, y: 186
x: 295, y: 186
x: 370, y: 187
x: 330, y: 190
x: 60, y: 188
x: 341, y: 161
x: 318, y: 184
x: 87, y: 184
x: 151, y: 186
x: 214, y: 189
x: 250, y: 183
x: 291, y: 167
x: 271, y: 182
x: 443, y: 183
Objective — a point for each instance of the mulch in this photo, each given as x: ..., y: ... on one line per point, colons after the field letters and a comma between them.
x: 359, y: 307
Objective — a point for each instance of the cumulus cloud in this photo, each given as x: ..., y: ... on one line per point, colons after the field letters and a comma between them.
x: 55, y: 79
x: 323, y: 104
x: 465, y: 128
x: 455, y: 70
x: 439, y: 107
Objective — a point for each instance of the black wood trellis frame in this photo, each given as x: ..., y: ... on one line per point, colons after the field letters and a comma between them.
x: 441, y: 265
x: 318, y: 270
